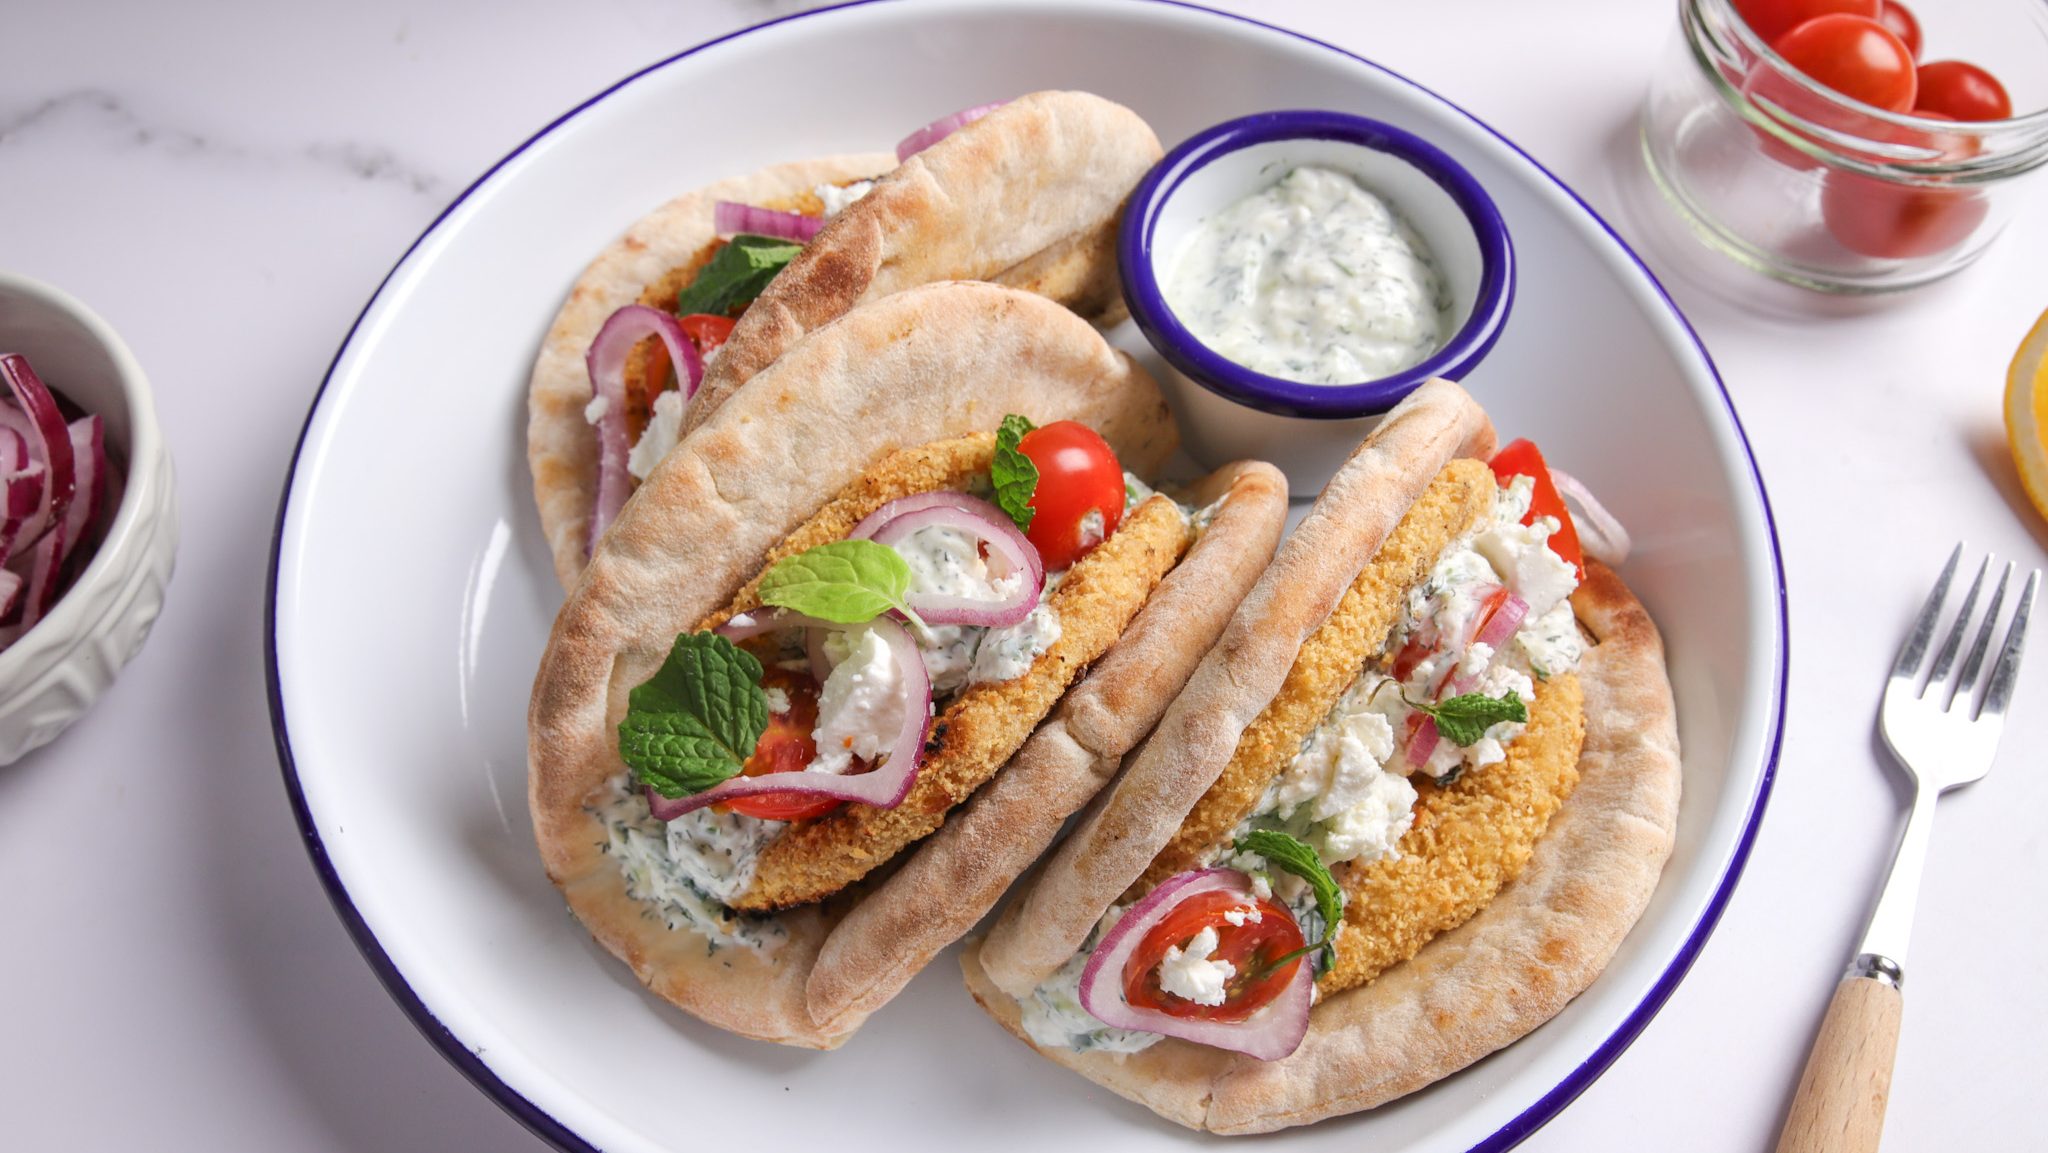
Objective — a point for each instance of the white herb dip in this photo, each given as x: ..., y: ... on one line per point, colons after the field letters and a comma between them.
x: 1314, y: 279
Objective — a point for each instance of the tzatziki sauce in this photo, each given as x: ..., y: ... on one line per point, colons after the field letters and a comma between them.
x: 1313, y: 279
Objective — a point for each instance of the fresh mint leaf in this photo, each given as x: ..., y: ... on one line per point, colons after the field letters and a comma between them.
x: 695, y: 722
x: 1285, y: 852
x: 1464, y: 720
x: 846, y: 582
x: 1014, y: 476
x: 732, y: 279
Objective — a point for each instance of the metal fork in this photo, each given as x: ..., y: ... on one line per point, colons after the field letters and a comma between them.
x: 1943, y: 737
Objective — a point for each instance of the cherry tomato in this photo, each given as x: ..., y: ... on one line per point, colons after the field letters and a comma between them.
x: 1078, y: 473
x: 705, y: 330
x: 1894, y: 221
x: 1249, y: 948
x: 1522, y: 458
x: 1770, y: 19
x: 786, y: 747
x: 1961, y: 91
x: 1854, y: 55
x: 1901, y: 22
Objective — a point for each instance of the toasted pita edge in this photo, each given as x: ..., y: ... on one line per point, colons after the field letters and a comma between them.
x: 561, y: 447
x: 923, y: 365
x: 1028, y: 194
x: 964, y: 868
x: 1367, y: 497
x: 1490, y: 981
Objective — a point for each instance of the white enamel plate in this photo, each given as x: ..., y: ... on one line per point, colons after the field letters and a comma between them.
x: 402, y: 729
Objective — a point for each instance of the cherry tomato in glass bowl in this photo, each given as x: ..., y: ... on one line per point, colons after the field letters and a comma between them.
x: 1078, y: 474
x: 1894, y: 221
x: 786, y: 746
x: 1855, y: 56
x: 1900, y: 21
x: 1770, y: 19
x: 1249, y: 948
x: 1961, y: 91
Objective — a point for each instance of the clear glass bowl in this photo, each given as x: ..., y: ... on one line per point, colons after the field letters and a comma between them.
x: 1809, y: 186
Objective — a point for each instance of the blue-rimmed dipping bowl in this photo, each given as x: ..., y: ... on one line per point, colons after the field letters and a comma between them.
x: 1227, y: 411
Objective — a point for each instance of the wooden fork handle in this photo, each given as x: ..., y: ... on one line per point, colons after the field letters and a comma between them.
x: 1840, y: 1104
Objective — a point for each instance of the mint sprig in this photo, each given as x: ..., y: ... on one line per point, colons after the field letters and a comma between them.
x: 1463, y: 720
x: 1014, y: 475
x: 695, y: 722
x: 736, y: 275
x: 1293, y: 856
x: 845, y: 582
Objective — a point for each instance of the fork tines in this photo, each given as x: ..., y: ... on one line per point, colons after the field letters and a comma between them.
x: 2004, y: 670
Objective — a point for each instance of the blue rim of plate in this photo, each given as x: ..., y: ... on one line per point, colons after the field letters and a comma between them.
x: 544, y: 1125
x: 1491, y: 300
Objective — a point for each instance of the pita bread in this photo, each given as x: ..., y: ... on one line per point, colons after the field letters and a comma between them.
x: 561, y: 448
x: 1028, y: 195
x: 1499, y: 975
x: 927, y: 364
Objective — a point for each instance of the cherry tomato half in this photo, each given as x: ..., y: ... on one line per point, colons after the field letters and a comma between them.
x: 705, y: 330
x: 1522, y: 458
x: 1770, y: 19
x: 1900, y: 21
x: 1962, y: 92
x: 1078, y: 473
x: 1249, y: 948
x: 786, y: 747
x: 1854, y: 55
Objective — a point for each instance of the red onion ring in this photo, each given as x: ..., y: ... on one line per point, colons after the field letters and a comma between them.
x: 1423, y: 743
x: 606, y: 361
x: 898, y: 519
x: 41, y: 423
x: 885, y: 785
x: 941, y: 128
x: 731, y: 217
x: 11, y: 585
x: 1503, y: 623
x: 1269, y: 1034
x: 1601, y: 535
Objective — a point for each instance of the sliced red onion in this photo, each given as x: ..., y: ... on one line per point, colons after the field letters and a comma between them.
x: 13, y: 449
x: 898, y: 519
x: 1601, y: 535
x: 941, y: 128
x: 24, y: 495
x: 606, y: 361
x: 1503, y: 623
x: 11, y: 585
x: 887, y: 783
x: 1269, y: 1034
x: 1423, y: 743
x: 41, y: 422
x: 731, y: 217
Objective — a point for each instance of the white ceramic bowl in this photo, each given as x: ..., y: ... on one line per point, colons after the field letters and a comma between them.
x: 52, y: 675
x: 1230, y: 412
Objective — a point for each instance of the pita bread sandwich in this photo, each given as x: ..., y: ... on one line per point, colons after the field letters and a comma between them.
x: 707, y: 290
x: 766, y: 732
x: 1404, y: 810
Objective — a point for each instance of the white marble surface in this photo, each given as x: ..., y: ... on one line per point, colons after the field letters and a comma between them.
x: 228, y: 182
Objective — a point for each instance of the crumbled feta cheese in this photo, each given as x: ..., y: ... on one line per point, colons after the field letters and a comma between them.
x: 862, y: 705
x: 663, y: 430
x: 597, y: 408
x: 778, y: 699
x: 1189, y: 972
x: 836, y: 198
x: 1520, y: 555
x: 1249, y: 915
x: 1334, y: 770
x: 1093, y: 529
x: 1370, y: 829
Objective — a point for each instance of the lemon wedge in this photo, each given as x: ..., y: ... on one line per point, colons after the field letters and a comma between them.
x: 2026, y: 413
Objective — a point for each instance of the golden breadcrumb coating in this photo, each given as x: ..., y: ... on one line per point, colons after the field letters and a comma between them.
x: 978, y: 731
x: 1331, y: 660
x: 1469, y: 839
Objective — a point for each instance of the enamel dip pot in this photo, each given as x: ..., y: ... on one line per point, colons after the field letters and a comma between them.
x: 1230, y: 412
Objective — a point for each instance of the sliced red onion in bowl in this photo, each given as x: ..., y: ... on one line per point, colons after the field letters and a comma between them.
x: 731, y: 217
x: 1601, y: 535
x: 41, y: 424
x: 1007, y: 548
x: 606, y: 362
x: 941, y: 128
x: 1269, y: 1034
x: 886, y: 784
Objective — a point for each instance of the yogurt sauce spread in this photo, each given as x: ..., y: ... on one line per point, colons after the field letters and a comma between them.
x: 1313, y: 279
